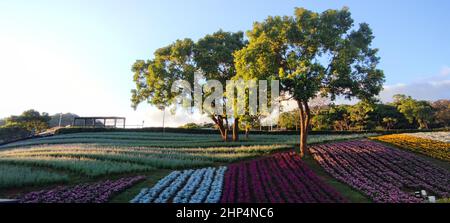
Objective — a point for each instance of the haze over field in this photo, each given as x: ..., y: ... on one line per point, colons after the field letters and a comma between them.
x: 76, y: 56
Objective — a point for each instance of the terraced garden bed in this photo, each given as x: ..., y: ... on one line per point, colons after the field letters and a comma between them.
x: 382, y: 173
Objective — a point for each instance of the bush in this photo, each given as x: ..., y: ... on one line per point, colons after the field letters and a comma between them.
x: 10, y: 134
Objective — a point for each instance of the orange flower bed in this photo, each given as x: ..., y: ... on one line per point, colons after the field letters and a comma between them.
x: 433, y: 148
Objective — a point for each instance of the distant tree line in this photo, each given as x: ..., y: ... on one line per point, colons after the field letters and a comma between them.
x: 30, y: 120
x: 198, y: 126
x: 404, y: 112
x: 29, y: 123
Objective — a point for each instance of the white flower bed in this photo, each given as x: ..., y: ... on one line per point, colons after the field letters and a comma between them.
x: 438, y: 136
x: 174, y: 187
x: 187, y: 191
x: 203, y: 190
x: 188, y: 186
x: 147, y: 195
x: 216, y: 187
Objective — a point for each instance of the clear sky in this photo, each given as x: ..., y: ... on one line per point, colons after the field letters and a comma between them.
x: 75, y: 55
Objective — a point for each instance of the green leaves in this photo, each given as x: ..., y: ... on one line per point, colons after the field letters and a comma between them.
x: 212, y: 56
x: 313, y: 53
x: 413, y: 110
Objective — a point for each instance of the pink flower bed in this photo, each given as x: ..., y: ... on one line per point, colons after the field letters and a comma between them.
x: 281, y: 178
x: 382, y: 173
x: 99, y: 192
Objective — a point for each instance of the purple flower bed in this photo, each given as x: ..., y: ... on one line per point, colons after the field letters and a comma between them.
x: 281, y: 178
x: 99, y: 192
x: 382, y: 173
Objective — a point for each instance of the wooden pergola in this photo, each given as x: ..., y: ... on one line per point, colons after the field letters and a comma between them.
x: 92, y: 121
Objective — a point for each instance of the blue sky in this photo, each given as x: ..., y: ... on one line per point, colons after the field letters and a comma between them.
x: 75, y: 55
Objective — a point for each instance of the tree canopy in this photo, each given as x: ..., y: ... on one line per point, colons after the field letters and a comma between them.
x: 414, y: 110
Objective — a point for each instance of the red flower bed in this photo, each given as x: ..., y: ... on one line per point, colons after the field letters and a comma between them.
x: 282, y: 178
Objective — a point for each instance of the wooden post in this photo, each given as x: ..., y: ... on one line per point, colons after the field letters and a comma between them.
x: 115, y: 122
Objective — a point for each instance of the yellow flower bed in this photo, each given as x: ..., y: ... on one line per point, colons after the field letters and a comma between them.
x: 433, y: 148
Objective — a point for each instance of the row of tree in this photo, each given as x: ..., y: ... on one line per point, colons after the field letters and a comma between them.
x: 403, y: 113
x: 310, y: 53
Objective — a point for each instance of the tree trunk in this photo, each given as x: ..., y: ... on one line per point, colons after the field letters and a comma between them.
x: 423, y: 124
x: 236, y: 130
x: 246, y: 132
x: 219, y: 122
x: 305, y: 120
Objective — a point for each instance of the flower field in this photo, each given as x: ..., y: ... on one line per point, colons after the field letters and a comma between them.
x: 56, y: 159
x: 281, y: 178
x: 188, y: 186
x: 84, y: 193
x: 420, y: 144
x: 384, y: 174
x: 261, y: 170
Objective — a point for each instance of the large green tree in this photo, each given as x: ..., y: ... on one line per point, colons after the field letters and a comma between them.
x: 414, y: 110
x: 289, y: 120
x: 311, y: 54
x: 212, y: 56
x: 360, y: 114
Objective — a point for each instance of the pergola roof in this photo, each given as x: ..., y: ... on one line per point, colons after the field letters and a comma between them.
x: 94, y: 119
x: 100, y: 117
